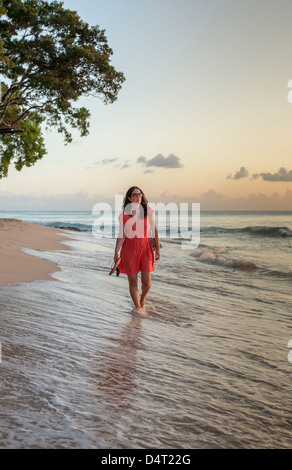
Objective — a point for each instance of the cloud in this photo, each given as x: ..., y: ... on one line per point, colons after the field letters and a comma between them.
x: 242, y: 173
x: 168, y: 196
x: 106, y: 161
x: 211, y: 200
x: 109, y: 161
x: 214, y: 200
x: 81, y: 200
x: 124, y: 165
x: 282, y: 175
x: 172, y: 161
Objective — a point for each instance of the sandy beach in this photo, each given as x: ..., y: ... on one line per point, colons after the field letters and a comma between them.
x: 17, y: 266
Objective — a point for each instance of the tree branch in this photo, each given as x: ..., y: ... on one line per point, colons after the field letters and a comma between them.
x: 9, y: 131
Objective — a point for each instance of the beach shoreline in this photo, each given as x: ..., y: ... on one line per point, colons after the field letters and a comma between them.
x: 16, y: 266
x: 81, y: 369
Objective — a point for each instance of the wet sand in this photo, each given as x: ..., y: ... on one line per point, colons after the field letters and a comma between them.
x: 17, y: 266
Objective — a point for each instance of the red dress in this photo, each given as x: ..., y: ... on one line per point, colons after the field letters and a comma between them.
x: 137, y: 252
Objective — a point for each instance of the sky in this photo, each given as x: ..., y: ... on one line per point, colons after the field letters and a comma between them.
x: 204, y: 115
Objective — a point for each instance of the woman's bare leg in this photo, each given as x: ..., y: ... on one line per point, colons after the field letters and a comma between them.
x: 133, y: 286
x: 146, y: 285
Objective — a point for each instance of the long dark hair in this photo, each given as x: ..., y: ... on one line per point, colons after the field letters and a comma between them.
x: 144, y: 201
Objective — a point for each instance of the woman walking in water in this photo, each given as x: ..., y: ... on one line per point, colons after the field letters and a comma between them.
x: 134, y: 244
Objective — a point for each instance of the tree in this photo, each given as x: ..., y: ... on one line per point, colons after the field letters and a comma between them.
x: 49, y: 58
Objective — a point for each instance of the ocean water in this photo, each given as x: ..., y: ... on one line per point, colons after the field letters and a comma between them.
x: 205, y: 365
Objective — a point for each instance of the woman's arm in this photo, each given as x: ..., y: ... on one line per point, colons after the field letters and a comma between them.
x: 157, y: 244
x: 119, y: 244
x: 120, y: 239
x: 154, y: 230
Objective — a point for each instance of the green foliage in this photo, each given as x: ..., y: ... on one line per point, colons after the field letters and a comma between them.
x: 49, y: 58
x: 24, y: 148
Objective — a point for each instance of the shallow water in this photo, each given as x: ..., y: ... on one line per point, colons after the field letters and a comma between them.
x: 204, y: 366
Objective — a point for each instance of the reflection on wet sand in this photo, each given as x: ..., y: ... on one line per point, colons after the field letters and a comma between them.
x: 115, y: 371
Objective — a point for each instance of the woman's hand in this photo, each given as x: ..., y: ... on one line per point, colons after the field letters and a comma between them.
x: 157, y: 254
x: 119, y: 244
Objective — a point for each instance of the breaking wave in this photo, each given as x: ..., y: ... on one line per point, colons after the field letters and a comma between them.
x: 260, y: 230
x: 77, y: 227
x: 214, y: 256
x: 269, y: 231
